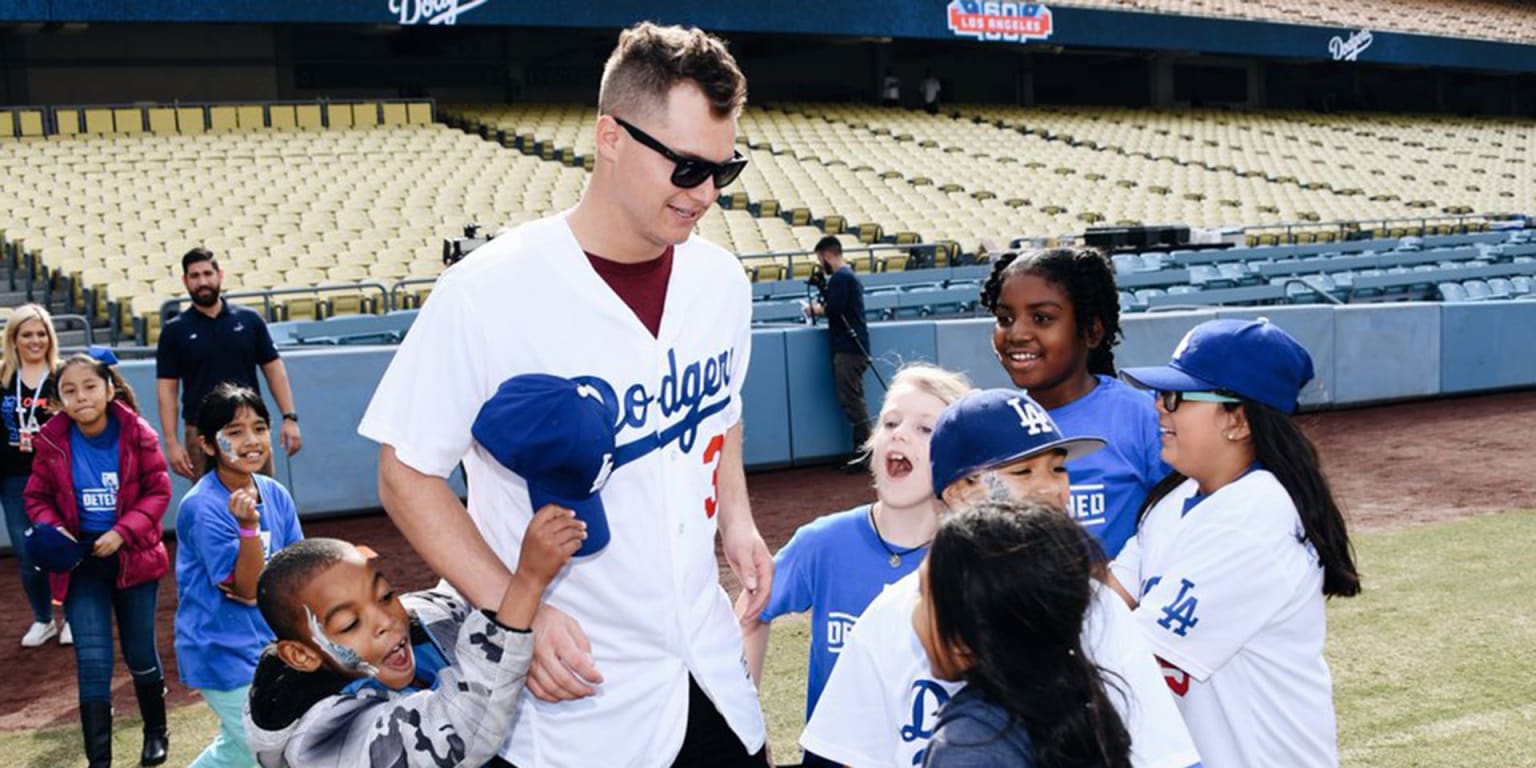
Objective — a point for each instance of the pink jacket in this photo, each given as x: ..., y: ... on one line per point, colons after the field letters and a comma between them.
x: 143, y: 494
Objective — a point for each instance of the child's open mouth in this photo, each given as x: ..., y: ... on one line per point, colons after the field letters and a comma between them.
x: 897, y: 465
x: 400, y: 657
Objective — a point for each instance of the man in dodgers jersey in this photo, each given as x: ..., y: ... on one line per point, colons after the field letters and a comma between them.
x: 615, y: 293
x: 880, y: 706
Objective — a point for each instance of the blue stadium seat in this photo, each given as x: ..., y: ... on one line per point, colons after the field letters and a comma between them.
x: 1477, y: 290
x: 1452, y: 292
x: 1204, y: 274
x: 1126, y: 263
x: 1500, y: 288
x: 1521, y: 285
x: 1127, y: 302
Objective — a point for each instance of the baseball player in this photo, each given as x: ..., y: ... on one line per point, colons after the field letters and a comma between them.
x: 618, y: 295
x: 880, y: 706
x: 1237, y: 551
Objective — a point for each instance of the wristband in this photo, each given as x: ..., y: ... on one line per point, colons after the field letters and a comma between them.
x: 249, y: 533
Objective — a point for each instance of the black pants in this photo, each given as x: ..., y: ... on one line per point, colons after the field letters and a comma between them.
x: 848, y: 375
x: 709, y: 741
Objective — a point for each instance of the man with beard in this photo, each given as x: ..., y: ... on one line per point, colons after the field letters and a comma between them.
x: 842, y: 303
x: 209, y: 343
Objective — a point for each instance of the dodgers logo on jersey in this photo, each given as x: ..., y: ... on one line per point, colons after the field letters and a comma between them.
x: 999, y: 20
x: 839, y: 624
x: 928, y: 697
x: 1179, y: 614
x: 689, y: 393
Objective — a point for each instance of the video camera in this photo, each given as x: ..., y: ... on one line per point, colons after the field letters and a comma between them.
x: 456, y: 248
x: 817, y: 279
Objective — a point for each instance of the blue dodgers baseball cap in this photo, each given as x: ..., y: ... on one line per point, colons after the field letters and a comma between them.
x: 557, y: 434
x: 102, y: 354
x: 53, y: 550
x: 1254, y: 359
x: 993, y: 427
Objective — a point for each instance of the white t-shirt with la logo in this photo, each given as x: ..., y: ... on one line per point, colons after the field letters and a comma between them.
x: 880, y: 706
x: 1232, y: 603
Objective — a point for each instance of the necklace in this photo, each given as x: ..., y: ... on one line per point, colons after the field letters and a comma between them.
x: 895, y: 554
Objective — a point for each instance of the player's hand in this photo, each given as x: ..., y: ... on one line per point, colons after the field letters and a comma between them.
x: 553, y: 535
x: 177, y: 457
x: 107, y: 544
x: 748, y: 558
x: 562, y: 668
x: 242, y: 504
x: 290, y: 438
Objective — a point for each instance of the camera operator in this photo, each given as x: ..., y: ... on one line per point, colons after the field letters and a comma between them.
x: 842, y: 303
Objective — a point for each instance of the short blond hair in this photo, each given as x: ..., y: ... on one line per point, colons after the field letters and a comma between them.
x: 650, y: 60
x: 21, y: 316
x: 944, y: 384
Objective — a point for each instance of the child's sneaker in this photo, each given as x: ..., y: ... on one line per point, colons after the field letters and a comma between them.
x: 66, y: 635
x: 38, y: 633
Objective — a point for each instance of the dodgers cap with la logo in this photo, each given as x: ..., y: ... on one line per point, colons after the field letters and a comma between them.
x: 994, y: 427
x: 557, y: 434
x: 1253, y: 359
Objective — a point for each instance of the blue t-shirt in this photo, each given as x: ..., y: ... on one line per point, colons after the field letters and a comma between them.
x: 93, y: 467
x: 833, y: 566
x: 973, y: 732
x: 218, y: 639
x: 1109, y: 485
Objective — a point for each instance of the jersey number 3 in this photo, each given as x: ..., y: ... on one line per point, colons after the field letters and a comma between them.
x: 712, y: 454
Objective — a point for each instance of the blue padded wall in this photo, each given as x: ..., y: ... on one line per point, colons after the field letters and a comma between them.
x: 1386, y: 352
x: 765, y: 418
x: 1487, y: 346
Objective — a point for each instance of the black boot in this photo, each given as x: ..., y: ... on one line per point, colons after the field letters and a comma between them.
x: 96, y: 723
x: 157, y: 740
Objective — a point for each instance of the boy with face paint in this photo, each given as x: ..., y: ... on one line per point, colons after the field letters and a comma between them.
x: 881, y: 705
x: 362, y: 676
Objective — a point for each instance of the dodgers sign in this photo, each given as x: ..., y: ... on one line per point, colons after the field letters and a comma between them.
x: 1001, y: 21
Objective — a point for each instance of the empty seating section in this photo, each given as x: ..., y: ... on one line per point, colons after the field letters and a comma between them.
x: 1506, y: 20
x: 108, y: 217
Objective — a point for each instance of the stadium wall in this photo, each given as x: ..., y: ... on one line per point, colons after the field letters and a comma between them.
x: 1362, y: 354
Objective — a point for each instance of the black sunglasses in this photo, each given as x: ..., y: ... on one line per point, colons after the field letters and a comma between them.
x: 689, y: 172
x: 1171, y: 400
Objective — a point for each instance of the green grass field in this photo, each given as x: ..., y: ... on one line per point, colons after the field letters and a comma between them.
x: 1434, y: 665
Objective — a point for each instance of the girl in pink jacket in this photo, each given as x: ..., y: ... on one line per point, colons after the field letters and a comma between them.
x: 100, y: 478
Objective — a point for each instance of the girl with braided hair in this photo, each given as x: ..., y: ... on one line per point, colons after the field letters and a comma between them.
x: 1058, y: 320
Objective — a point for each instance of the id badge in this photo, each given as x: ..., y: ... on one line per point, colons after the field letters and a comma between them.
x: 25, y: 443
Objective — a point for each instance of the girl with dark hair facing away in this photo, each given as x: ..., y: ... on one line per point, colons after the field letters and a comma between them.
x: 1058, y: 320
x: 1004, y: 593
x: 99, y: 477
x: 1236, y: 552
x: 232, y: 521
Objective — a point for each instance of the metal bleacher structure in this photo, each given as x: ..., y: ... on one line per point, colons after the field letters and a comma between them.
x: 332, y: 209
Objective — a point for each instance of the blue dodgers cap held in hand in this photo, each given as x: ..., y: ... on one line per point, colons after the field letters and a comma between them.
x: 557, y: 434
x: 52, y: 550
x: 994, y: 427
x: 1253, y: 359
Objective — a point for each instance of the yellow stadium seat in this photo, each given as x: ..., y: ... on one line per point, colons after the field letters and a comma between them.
x: 221, y: 119
x: 309, y: 116
x: 282, y: 116
x: 338, y: 115
x: 67, y: 121
x: 30, y: 122
x: 98, y: 121
x: 7, y: 124
x: 162, y: 120
x: 191, y: 120
x: 365, y: 115
x: 128, y: 120
x: 395, y: 113
x: 250, y: 117
x: 419, y: 112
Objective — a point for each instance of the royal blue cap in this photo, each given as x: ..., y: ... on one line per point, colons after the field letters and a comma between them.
x: 557, y: 434
x: 994, y: 427
x: 102, y: 354
x: 1253, y: 359
x: 52, y: 550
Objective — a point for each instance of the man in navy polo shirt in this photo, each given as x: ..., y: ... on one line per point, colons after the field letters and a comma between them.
x: 211, y: 342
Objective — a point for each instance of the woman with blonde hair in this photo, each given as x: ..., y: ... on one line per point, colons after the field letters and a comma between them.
x: 30, y: 360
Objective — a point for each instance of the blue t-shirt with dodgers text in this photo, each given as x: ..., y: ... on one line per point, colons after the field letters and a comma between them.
x: 93, y: 468
x: 218, y: 638
x: 833, y: 566
x: 1109, y: 485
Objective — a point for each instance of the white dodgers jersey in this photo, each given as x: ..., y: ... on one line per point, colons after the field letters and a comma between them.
x: 1231, y: 601
x: 880, y: 707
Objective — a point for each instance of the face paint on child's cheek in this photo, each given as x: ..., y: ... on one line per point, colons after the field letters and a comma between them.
x: 345, y: 657
x: 227, y: 447
x: 995, y: 487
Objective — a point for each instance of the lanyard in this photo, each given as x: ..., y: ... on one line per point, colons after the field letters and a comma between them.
x: 30, y: 425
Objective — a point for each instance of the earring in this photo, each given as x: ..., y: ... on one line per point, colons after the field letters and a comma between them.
x: 1229, y: 436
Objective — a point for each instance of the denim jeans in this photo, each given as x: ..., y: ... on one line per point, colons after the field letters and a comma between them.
x: 93, y: 600
x: 33, y: 581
